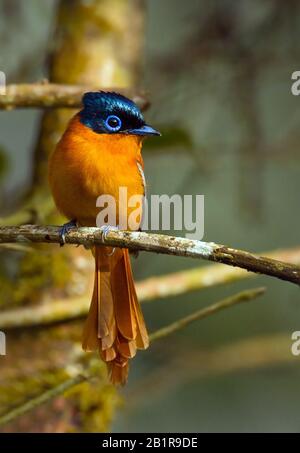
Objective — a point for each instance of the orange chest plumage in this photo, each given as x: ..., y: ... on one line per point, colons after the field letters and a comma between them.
x: 85, y: 165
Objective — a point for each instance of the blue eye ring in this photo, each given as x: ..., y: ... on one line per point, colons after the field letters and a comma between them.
x: 113, y: 123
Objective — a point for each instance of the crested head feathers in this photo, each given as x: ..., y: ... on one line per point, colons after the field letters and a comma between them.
x: 99, y: 105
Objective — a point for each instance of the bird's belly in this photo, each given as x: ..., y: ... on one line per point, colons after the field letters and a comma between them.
x: 77, y: 188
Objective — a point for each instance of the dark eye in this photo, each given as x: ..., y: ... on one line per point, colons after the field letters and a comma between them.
x: 113, y: 123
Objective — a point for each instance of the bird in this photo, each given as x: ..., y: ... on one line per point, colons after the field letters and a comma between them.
x: 99, y: 152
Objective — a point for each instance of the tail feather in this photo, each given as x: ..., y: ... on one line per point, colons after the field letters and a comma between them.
x: 126, y: 348
x: 121, y: 291
x: 107, y: 330
x: 118, y: 372
x: 142, y: 339
x: 115, y: 325
x: 107, y: 355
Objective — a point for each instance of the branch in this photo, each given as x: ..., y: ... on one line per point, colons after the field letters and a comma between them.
x: 158, y: 243
x: 243, y: 296
x: 42, y: 398
x: 45, y: 95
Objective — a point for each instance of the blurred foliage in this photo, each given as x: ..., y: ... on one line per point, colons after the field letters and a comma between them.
x: 17, y: 390
x: 89, y: 406
x: 95, y: 402
x: 39, y: 271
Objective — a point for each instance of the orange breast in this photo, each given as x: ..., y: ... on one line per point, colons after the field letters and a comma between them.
x: 85, y: 165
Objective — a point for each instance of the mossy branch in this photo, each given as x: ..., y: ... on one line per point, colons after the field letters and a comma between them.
x: 42, y: 398
x: 158, y: 243
x: 54, y: 95
x: 79, y: 376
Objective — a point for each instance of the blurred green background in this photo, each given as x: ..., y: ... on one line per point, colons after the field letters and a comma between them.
x: 219, y: 78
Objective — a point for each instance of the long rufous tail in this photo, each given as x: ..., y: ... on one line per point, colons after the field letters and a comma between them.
x: 115, y: 325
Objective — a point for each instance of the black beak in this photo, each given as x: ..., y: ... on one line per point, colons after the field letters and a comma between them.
x: 144, y: 130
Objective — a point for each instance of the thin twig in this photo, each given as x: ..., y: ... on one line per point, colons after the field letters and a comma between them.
x: 243, y: 296
x: 158, y: 243
x: 17, y: 248
x: 42, y: 398
x: 46, y: 95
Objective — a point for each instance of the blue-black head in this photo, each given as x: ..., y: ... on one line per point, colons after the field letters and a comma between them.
x: 112, y: 113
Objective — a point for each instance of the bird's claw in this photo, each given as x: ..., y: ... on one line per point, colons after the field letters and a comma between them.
x: 65, y: 229
x: 105, y: 229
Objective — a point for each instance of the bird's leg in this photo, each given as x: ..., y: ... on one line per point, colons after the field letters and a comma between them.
x: 65, y: 229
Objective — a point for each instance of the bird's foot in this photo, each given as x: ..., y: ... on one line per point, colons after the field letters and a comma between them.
x: 105, y: 229
x: 65, y: 229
